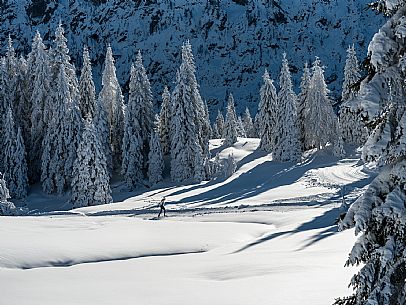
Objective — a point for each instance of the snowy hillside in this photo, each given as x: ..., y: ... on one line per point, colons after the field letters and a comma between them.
x: 233, y: 41
x: 266, y: 235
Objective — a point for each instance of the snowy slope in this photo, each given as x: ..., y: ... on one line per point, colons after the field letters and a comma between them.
x: 222, y: 242
x: 233, y: 41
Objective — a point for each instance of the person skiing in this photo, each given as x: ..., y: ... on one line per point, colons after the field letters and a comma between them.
x: 162, y: 207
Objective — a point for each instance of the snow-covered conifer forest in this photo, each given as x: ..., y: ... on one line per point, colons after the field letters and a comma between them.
x: 205, y: 152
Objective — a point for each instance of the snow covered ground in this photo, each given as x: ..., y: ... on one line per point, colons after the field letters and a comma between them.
x: 264, y: 236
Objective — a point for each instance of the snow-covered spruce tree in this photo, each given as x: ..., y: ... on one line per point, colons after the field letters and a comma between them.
x: 112, y: 99
x: 192, y: 90
x: 188, y: 144
x: 353, y: 129
x: 155, y: 159
x: 267, y: 114
x: 164, y: 119
x: 214, y: 132
x: 220, y: 123
x: 351, y: 75
x: 303, y: 105
x: 11, y: 62
x: 248, y: 124
x: 87, y: 93
x: 90, y: 183
x: 22, y: 107
x: 15, y: 165
x: 141, y: 99
x: 133, y: 143
x: 230, y: 125
x: 287, y: 147
x: 3, y: 79
x: 229, y: 166
x: 206, y: 132
x: 60, y: 57
x: 61, y: 138
x: 39, y: 66
x: 379, y: 216
x: 320, y: 121
x: 7, y: 208
x: 103, y: 131
x: 240, y: 128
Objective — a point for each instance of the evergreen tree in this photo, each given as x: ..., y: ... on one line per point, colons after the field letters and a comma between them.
x: 11, y: 72
x: 3, y: 105
x: 379, y: 214
x: 248, y: 124
x: 240, y: 128
x: 103, y: 131
x: 187, y: 140
x: 287, y: 147
x: 7, y: 208
x: 156, y: 161
x: 39, y: 67
x: 133, y: 143
x: 15, y: 165
x: 164, y: 120
x: 214, y: 132
x: 112, y: 100
x: 351, y: 74
x: 60, y: 141
x: 87, y: 93
x: 321, y: 122
x: 141, y: 99
x: 21, y: 105
x: 90, y: 183
x: 352, y: 127
x: 230, y: 126
x: 304, y: 106
x: 206, y: 132
x: 267, y: 114
x: 220, y: 123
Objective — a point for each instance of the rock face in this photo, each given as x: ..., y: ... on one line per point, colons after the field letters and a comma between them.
x: 233, y: 40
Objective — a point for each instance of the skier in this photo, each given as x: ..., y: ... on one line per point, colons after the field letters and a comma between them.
x: 162, y: 207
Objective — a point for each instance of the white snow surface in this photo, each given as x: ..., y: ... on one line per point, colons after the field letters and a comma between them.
x: 266, y: 235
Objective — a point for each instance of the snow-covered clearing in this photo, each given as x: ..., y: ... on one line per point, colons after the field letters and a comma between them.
x: 264, y: 236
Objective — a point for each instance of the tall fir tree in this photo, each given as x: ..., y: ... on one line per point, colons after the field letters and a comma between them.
x: 230, y: 125
x: 133, y: 142
x: 321, y: 121
x: 61, y: 139
x: 141, y: 99
x: 22, y: 107
x: 15, y: 165
x: 87, y: 92
x: 353, y: 129
x: 303, y: 106
x: 192, y: 88
x: 112, y: 99
x: 267, y: 114
x: 220, y: 123
x: 187, y: 159
x: 351, y: 74
x: 40, y: 70
x: 90, y: 183
x: 103, y: 130
x: 155, y: 159
x: 287, y: 147
x: 248, y: 124
x: 240, y: 128
x: 164, y: 121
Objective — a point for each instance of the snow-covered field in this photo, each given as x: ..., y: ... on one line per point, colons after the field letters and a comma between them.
x: 264, y: 236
